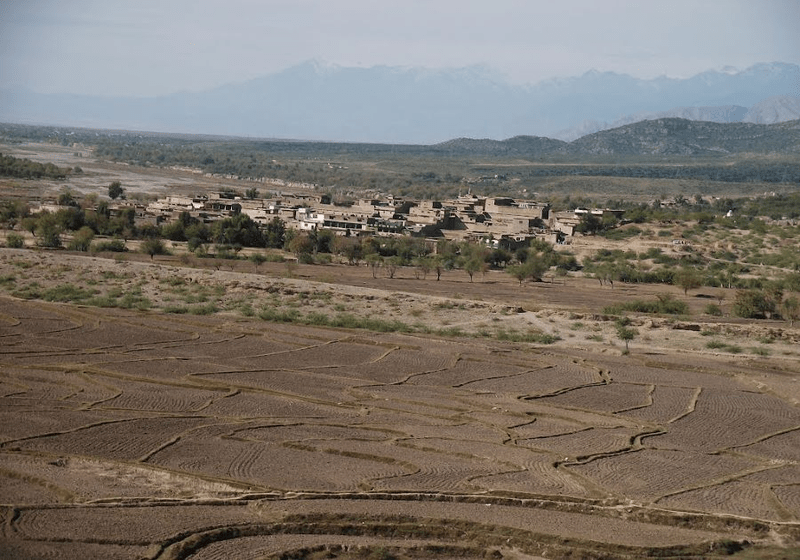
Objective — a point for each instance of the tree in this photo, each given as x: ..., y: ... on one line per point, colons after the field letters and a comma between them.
x: 116, y: 191
x: 71, y: 218
x: 30, y: 224
x: 302, y: 246
x: 48, y: 231
x: 375, y: 261
x: 626, y: 334
x: 239, y: 229
x: 474, y: 264
x: 392, y: 264
x: 13, y: 211
x: 590, y: 224
x: 82, y: 239
x: 423, y: 266
x: 606, y: 272
x: 275, y: 233
x: 688, y: 279
x: 532, y: 270
x: 348, y: 247
x: 153, y: 246
x: 753, y: 304
x: 790, y: 309
x: 251, y: 193
x: 473, y: 258
x: 257, y: 259
x: 67, y: 199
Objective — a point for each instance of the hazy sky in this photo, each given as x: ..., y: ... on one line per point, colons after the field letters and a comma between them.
x: 152, y: 47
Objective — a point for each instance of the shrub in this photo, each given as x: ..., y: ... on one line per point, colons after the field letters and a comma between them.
x: 15, y: 241
x: 753, y: 304
x: 67, y: 293
x: 713, y: 309
x: 111, y: 246
x: 665, y: 305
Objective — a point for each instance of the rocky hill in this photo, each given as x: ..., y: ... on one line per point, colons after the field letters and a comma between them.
x: 673, y: 136
x: 664, y: 136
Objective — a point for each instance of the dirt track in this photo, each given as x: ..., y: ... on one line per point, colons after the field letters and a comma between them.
x: 143, y: 434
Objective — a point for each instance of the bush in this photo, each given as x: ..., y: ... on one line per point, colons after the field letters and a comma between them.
x: 753, y: 304
x: 15, y: 241
x: 713, y: 309
x: 111, y: 246
x: 664, y: 305
x: 67, y: 293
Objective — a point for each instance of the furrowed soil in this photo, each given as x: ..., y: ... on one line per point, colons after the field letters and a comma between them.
x: 173, y: 409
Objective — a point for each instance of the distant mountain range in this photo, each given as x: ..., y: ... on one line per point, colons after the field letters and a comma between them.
x: 318, y: 101
x: 658, y: 137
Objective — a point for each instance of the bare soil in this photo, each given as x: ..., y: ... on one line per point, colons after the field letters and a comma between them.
x: 153, y: 434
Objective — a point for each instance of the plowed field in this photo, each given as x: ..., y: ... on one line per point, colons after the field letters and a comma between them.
x: 142, y: 434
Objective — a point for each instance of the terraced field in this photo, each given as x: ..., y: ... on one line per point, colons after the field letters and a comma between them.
x: 139, y: 434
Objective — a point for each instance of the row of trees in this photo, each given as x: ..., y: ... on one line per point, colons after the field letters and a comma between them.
x: 27, y: 169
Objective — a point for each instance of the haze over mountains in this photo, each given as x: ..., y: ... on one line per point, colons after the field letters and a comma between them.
x: 413, y: 105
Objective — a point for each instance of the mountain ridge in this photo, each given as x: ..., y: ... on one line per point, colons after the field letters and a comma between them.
x: 318, y: 101
x: 658, y: 137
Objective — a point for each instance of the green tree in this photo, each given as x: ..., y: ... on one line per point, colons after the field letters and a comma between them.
x: 67, y: 199
x: 275, y: 233
x: 71, y: 218
x: 531, y: 270
x: 589, y: 224
x: 116, y: 191
x: 752, y: 304
x: 423, y: 266
x: 302, y: 246
x: 472, y: 265
x: 688, y: 279
x: 82, y: 239
x: 257, y: 259
x: 391, y: 264
x: 48, y: 231
x: 790, y: 309
x: 239, y: 229
x: 12, y: 212
x: 349, y: 248
x: 153, y: 246
x: 251, y: 193
x: 626, y: 334
x: 375, y: 261
x: 30, y: 223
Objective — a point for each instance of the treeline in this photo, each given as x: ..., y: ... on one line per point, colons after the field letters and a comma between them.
x: 423, y: 172
x: 258, y: 159
x: 27, y: 169
x: 747, y: 171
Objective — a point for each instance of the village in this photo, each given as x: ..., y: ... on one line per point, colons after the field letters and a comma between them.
x: 503, y: 222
